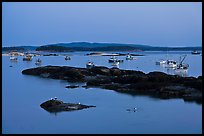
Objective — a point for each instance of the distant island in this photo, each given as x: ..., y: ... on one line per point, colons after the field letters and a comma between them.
x: 87, y: 46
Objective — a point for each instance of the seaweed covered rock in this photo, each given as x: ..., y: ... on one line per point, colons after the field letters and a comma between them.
x: 156, y: 84
x: 58, y: 106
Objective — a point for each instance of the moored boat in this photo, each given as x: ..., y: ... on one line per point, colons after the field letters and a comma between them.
x: 38, y: 62
x: 28, y: 58
x: 67, y: 58
x: 129, y: 57
x: 12, y: 58
x: 114, y: 59
x: 171, y: 64
x: 89, y: 64
x: 115, y: 63
x: 195, y: 52
x: 160, y: 62
x: 181, y: 67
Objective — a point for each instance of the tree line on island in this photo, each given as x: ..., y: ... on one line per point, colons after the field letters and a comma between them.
x: 86, y: 46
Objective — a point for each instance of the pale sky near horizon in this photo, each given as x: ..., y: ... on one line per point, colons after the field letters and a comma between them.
x: 150, y: 23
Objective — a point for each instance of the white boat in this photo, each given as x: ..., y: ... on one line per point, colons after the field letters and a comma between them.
x: 129, y: 57
x: 195, y: 52
x: 12, y: 58
x: 89, y: 64
x: 171, y: 64
x: 115, y: 63
x: 181, y: 67
x: 160, y: 62
x: 114, y: 59
x: 27, y: 58
x: 182, y: 70
x: 67, y: 58
x: 38, y: 62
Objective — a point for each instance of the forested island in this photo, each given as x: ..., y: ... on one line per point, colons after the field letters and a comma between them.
x: 86, y: 46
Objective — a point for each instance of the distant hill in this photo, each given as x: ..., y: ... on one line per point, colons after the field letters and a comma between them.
x: 92, y: 45
x: 20, y: 48
x: 86, y: 46
x: 29, y: 48
x: 53, y: 48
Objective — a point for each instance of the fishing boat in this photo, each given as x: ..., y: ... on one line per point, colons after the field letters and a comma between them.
x: 115, y: 63
x: 38, y: 62
x: 12, y: 58
x: 114, y: 59
x: 67, y: 58
x: 129, y: 57
x: 171, y: 64
x: 27, y: 58
x: 182, y: 67
x: 160, y: 62
x: 89, y: 64
x: 195, y: 52
x: 182, y: 70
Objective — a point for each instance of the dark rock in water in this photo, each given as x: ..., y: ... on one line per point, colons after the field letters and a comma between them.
x: 72, y: 86
x: 155, y: 84
x: 58, y: 106
x: 101, y: 70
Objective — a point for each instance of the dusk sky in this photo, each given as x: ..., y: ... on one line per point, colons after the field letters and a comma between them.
x: 155, y: 24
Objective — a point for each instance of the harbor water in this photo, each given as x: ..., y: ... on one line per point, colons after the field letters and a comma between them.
x: 23, y: 94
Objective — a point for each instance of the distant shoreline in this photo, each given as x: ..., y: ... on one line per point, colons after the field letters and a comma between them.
x: 99, y: 47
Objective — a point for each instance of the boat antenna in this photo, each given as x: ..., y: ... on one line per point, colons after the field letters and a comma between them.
x: 183, y: 59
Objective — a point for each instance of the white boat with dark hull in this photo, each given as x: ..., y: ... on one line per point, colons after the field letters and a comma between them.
x: 114, y: 59
x: 12, y: 58
x: 195, y: 52
x: 160, y: 62
x: 90, y: 64
x: 171, y: 64
x: 27, y: 58
x: 129, y: 57
x: 67, y: 58
x: 182, y: 67
x: 38, y: 62
x: 115, y: 63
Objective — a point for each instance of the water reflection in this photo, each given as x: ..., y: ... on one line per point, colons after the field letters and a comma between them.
x: 157, y: 96
x: 23, y: 93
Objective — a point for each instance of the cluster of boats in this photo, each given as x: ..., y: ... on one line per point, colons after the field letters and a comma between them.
x: 177, y: 66
x: 169, y: 63
x: 27, y: 57
x: 115, y: 61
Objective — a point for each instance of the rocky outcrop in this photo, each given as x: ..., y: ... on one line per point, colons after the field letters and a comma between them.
x: 155, y: 84
x: 58, y: 106
x: 72, y: 86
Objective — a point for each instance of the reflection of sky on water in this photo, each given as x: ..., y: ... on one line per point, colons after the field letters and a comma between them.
x: 23, y: 94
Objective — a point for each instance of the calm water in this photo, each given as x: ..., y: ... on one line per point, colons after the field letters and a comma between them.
x: 23, y: 94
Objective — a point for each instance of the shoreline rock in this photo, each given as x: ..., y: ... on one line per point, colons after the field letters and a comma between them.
x: 58, y: 106
x: 155, y: 84
x: 72, y: 86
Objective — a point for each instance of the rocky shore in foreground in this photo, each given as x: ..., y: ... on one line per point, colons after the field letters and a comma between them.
x: 154, y: 84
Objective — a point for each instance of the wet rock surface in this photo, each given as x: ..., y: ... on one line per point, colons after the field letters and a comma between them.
x: 155, y: 84
x: 72, y: 86
x: 58, y: 106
